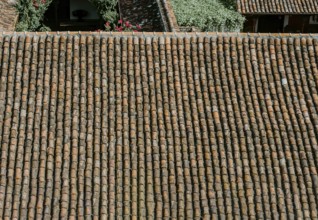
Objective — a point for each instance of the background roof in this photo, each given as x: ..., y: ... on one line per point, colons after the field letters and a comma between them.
x: 157, y: 125
x: 277, y: 6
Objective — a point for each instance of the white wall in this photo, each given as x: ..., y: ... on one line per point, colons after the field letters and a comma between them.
x: 85, y: 5
x: 286, y: 20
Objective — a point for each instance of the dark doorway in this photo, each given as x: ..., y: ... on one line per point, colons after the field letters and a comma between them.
x: 250, y: 24
x: 270, y: 23
x: 58, y: 11
x: 58, y: 18
x: 298, y: 24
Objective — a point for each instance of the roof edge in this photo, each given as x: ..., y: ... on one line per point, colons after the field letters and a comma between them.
x: 275, y: 13
x: 158, y: 34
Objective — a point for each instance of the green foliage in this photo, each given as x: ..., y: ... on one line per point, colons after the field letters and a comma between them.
x: 208, y: 15
x: 107, y: 9
x: 31, y: 14
x: 230, y: 4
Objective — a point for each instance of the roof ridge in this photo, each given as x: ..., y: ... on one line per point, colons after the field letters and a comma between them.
x: 160, y: 34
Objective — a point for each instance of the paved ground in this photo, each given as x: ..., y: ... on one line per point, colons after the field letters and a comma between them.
x: 145, y: 12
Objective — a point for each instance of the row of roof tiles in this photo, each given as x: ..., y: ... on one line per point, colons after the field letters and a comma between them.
x: 158, y: 127
x: 277, y: 6
x: 150, y: 34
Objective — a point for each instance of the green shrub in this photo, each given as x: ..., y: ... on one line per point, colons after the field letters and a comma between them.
x: 208, y: 15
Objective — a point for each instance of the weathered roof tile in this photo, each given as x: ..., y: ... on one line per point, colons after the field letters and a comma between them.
x: 173, y: 126
x: 277, y: 6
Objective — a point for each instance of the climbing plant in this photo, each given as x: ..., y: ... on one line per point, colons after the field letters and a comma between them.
x: 107, y: 9
x: 31, y: 13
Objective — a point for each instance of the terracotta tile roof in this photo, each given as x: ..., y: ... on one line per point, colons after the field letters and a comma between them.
x: 178, y: 126
x: 8, y: 16
x: 277, y: 6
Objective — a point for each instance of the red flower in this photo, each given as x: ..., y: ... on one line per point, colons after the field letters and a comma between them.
x: 120, y: 29
x: 138, y: 26
x: 127, y: 24
x: 36, y: 3
x: 120, y: 21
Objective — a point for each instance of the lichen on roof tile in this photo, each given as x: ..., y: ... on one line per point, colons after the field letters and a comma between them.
x: 158, y: 125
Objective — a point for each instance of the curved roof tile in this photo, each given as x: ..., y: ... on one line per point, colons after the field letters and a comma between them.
x: 178, y: 126
x: 277, y: 6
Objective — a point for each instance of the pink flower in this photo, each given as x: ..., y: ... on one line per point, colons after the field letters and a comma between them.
x: 135, y: 31
x: 120, y: 21
x: 127, y: 24
x: 107, y: 24
x: 35, y: 4
x: 138, y: 26
x: 120, y: 29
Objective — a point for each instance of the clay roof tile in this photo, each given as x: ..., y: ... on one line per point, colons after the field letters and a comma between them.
x: 167, y: 126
